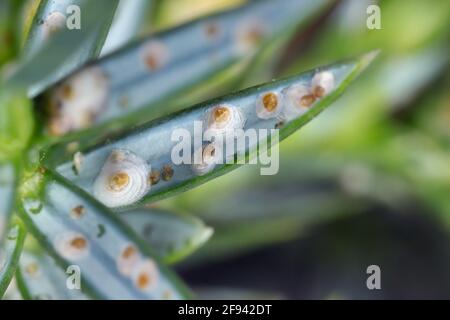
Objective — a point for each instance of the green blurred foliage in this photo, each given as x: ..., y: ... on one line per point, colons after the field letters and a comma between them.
x: 9, y: 13
x: 385, y: 141
x: 370, y: 126
x: 16, y: 123
x: 173, y: 12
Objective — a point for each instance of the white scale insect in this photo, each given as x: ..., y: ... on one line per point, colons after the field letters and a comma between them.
x: 123, y: 180
x: 295, y: 100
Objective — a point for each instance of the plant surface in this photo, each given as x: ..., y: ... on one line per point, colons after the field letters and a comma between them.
x: 86, y: 119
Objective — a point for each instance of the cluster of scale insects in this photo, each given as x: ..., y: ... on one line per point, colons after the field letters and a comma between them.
x: 76, y: 102
x: 125, y: 178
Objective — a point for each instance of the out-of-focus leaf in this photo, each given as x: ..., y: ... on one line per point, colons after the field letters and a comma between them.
x: 171, y: 63
x: 28, y: 13
x: 284, y: 214
x: 302, y: 200
x: 8, y: 178
x: 434, y: 116
x: 49, y: 19
x: 265, y: 63
x: 12, y: 293
x: 40, y: 278
x: 154, y: 144
x: 65, y: 50
x: 8, y: 39
x: 16, y: 123
x: 423, y: 163
x: 115, y: 263
x: 10, y: 254
x: 16, y: 128
x: 422, y: 25
x: 402, y: 78
x: 172, y: 236
x: 128, y: 21
x: 169, y: 13
x: 380, y: 105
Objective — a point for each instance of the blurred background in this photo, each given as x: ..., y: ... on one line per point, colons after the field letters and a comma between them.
x: 366, y: 183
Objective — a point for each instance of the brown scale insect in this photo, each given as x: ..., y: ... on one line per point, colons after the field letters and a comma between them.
x: 78, y: 212
x: 167, y: 173
x: 154, y: 177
